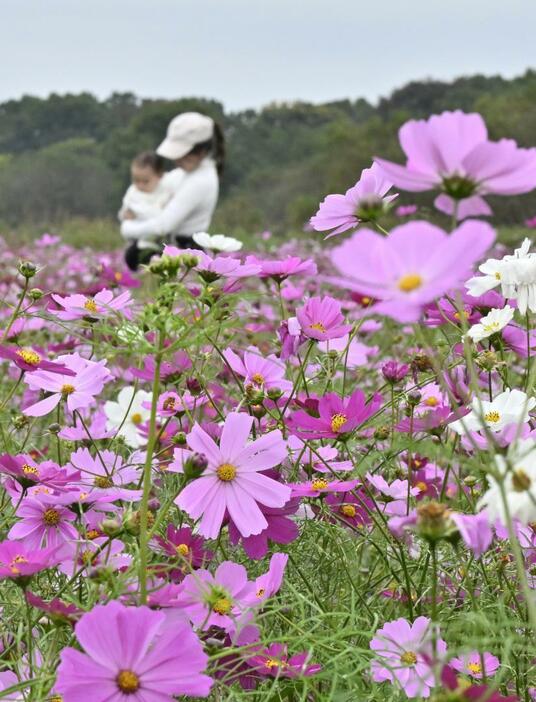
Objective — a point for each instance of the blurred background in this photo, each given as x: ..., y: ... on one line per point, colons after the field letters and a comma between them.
x: 307, y: 93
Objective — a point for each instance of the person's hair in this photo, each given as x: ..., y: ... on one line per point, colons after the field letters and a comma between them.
x: 150, y: 159
x: 214, y: 146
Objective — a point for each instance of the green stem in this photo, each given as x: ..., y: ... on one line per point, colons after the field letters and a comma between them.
x: 147, y: 473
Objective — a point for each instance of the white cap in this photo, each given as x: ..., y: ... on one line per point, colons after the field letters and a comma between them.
x: 184, y: 132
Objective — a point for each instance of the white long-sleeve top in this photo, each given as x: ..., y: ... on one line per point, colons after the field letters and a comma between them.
x: 189, y: 211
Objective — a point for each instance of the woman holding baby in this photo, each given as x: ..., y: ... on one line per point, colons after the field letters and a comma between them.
x: 169, y: 207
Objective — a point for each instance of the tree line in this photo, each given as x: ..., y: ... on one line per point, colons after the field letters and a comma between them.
x: 69, y: 155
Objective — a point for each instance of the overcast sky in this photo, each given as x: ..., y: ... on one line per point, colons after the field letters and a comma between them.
x: 247, y: 53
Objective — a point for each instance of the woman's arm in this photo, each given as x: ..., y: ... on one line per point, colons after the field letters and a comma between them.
x: 181, y: 205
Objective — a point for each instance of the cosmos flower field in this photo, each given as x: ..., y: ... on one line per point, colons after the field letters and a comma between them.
x: 301, y: 472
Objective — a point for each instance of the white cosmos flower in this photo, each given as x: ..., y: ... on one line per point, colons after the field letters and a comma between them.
x: 515, y: 273
x: 217, y: 242
x: 129, y: 412
x: 493, y: 322
x: 510, y: 407
x: 518, y: 470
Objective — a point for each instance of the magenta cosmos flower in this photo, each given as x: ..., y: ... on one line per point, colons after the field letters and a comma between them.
x: 415, y: 265
x: 405, y: 654
x: 130, y: 654
x: 275, y: 662
x: 262, y: 372
x: 29, y: 360
x: 232, y: 480
x: 43, y: 522
x: 363, y: 202
x: 185, y: 549
x: 321, y: 319
x: 81, y: 306
x: 336, y: 416
x: 219, y: 600
x: 20, y: 560
x: 451, y: 152
x: 78, y: 390
x: 471, y: 693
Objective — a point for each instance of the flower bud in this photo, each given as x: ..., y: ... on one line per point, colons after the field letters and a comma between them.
x: 274, y: 394
x: 111, y: 527
x: 27, y: 269
x: 382, y: 433
x: 488, y: 361
x: 258, y: 411
x: 36, y: 294
x: 180, y: 439
x: 434, y: 523
x: 54, y: 428
x: 413, y: 398
x: 394, y: 372
x: 193, y: 385
x: 421, y: 362
x: 195, y: 465
x: 20, y: 421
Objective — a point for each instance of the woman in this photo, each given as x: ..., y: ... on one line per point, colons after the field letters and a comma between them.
x: 195, y: 143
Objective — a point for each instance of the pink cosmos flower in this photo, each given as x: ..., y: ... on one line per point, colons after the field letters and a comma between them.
x: 29, y: 360
x: 353, y: 352
x: 451, y: 152
x: 363, y: 202
x: 275, y: 662
x: 262, y: 372
x: 282, y: 269
x: 131, y: 654
x: 20, y: 560
x: 122, y: 277
x: 218, y: 600
x: 88, y: 555
x: 416, y: 264
x: 269, y: 583
x: 336, y: 416
x: 169, y: 369
x: 233, y: 480
x: 105, y: 470
x: 406, y: 210
x: 82, y: 307
x: 476, y: 664
x: 78, y: 390
x: 43, y: 522
x: 210, y: 269
x: 475, y: 531
x: 321, y: 319
x: 405, y: 654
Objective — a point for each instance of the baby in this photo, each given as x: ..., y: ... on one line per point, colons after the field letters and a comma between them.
x: 149, y: 193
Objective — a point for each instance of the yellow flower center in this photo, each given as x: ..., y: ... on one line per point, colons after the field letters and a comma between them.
x: 318, y: 326
x: 136, y: 418
x: 475, y: 668
x: 497, y: 275
x: 410, y: 282
x: 257, y: 378
x: 226, y: 472
x: 103, y: 481
x: 365, y: 300
x: 29, y: 356
x: 464, y: 313
x: 521, y: 482
x: 348, y: 510
x: 29, y: 470
x: 51, y: 517
x: 408, y: 658
x: 87, y: 557
x: 90, y: 305
x: 421, y: 485
x: 118, y: 275
x: 273, y: 663
x: 492, y: 326
x: 55, y: 698
x: 92, y: 534
x: 67, y: 389
x: 431, y: 402
x: 222, y: 606
x: 15, y: 562
x: 493, y: 416
x: 128, y: 682
x: 338, y: 421
x: 319, y: 484
x: 182, y: 550
x: 260, y: 592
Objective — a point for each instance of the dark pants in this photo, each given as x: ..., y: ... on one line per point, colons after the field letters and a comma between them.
x: 136, y: 257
